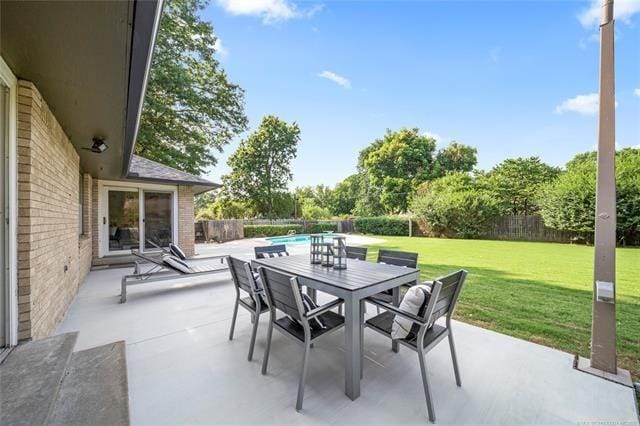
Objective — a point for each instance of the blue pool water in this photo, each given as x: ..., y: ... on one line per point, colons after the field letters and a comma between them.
x: 296, y: 239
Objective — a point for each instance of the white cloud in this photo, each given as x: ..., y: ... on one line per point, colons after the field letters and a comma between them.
x: 338, y: 79
x: 270, y: 11
x: 582, y: 104
x: 439, y: 139
x: 623, y: 10
x: 220, y: 48
x: 636, y: 92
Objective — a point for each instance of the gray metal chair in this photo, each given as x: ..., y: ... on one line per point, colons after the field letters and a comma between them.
x: 358, y: 253
x: 283, y: 294
x: 425, y: 333
x: 277, y: 250
x: 244, y: 282
x: 398, y: 258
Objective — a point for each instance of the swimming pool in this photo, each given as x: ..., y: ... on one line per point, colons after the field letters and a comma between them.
x: 297, y: 239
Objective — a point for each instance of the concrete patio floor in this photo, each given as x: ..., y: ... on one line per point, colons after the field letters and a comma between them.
x: 183, y: 369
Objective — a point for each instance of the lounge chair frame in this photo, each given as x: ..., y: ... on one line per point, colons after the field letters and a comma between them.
x: 161, y: 272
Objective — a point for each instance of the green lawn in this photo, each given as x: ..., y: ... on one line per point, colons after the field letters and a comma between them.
x: 535, y: 291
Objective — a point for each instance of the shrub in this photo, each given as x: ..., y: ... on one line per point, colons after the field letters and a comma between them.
x: 317, y: 228
x: 453, y: 206
x: 568, y: 203
x: 253, y: 231
x: 383, y: 225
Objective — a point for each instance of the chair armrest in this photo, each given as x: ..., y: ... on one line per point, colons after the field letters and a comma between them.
x: 404, y: 314
x: 322, y: 309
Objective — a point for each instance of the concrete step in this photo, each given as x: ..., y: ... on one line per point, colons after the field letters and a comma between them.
x: 30, y: 378
x: 94, y: 390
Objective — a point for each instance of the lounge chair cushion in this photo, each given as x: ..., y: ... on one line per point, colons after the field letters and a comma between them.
x: 415, y: 302
x: 177, y: 251
x: 176, y: 263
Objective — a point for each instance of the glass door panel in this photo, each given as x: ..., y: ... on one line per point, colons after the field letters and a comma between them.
x: 124, y: 220
x: 158, y: 219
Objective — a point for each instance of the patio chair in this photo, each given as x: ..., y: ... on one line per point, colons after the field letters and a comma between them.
x: 284, y: 295
x: 277, y: 250
x: 398, y: 258
x: 442, y: 302
x: 165, y: 269
x: 244, y: 282
x: 173, y: 250
x: 358, y: 253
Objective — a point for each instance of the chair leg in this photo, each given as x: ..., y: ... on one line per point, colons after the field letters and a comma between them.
x: 340, y: 309
x: 303, y: 376
x: 425, y: 384
x: 362, y: 308
x: 233, y: 319
x: 454, y: 358
x: 253, y: 335
x: 265, y: 359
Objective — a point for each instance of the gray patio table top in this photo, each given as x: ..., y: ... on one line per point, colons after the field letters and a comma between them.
x: 360, y: 280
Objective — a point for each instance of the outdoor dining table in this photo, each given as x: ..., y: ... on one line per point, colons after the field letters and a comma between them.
x: 360, y: 280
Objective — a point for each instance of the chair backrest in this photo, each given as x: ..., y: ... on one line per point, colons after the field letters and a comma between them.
x: 359, y: 253
x: 271, y: 251
x: 241, y: 275
x: 398, y: 258
x: 283, y: 292
x: 149, y: 259
x: 448, y: 297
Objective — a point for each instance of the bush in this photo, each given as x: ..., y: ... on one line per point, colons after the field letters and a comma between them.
x: 318, y: 228
x: 568, y: 203
x: 383, y: 225
x: 254, y: 231
x: 452, y: 206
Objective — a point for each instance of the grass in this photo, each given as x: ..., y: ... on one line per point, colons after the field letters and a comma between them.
x: 541, y: 292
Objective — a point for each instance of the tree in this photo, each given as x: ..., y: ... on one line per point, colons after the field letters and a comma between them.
x: 190, y: 106
x: 345, y: 195
x: 398, y: 163
x: 568, y: 203
x: 456, y: 158
x: 515, y: 183
x: 454, y: 205
x: 311, y: 211
x: 261, y: 164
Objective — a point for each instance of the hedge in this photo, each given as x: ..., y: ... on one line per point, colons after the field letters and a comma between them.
x: 317, y: 228
x: 253, y: 231
x: 382, y: 225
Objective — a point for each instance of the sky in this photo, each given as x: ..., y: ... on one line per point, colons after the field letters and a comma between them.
x: 511, y: 78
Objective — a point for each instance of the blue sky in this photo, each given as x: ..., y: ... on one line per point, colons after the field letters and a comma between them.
x: 511, y: 78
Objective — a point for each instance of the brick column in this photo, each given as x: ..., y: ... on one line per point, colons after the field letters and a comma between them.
x: 186, y: 226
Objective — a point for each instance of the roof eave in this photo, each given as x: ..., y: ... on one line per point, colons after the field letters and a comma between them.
x: 146, y: 22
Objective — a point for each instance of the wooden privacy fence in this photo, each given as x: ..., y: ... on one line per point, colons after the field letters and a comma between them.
x: 219, y: 230
x: 526, y: 228
x: 233, y: 229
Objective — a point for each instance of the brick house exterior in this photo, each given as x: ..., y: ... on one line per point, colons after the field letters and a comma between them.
x: 64, y: 85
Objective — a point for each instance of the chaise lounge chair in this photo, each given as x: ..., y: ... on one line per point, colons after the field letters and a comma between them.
x: 168, y: 268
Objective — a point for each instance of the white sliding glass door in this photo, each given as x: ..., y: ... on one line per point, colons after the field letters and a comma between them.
x: 137, y: 219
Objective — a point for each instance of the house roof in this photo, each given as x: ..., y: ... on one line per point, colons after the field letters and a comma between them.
x: 148, y: 170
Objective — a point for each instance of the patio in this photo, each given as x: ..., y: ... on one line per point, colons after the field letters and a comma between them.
x: 183, y: 369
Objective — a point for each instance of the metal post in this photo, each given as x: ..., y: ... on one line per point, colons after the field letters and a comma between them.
x: 603, y: 332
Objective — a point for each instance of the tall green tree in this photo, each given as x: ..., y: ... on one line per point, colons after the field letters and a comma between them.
x: 191, y: 109
x: 261, y: 166
x: 345, y: 195
x: 456, y: 157
x: 515, y: 183
x: 399, y: 162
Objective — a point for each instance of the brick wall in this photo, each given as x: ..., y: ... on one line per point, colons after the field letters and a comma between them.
x: 85, y: 244
x: 48, y: 184
x: 186, y: 229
